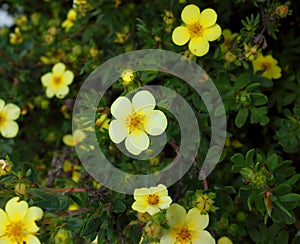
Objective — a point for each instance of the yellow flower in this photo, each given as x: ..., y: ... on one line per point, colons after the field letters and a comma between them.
x: 151, y: 200
x: 103, y: 122
x: 228, y: 37
x: 57, y: 81
x: 250, y: 52
x: 17, y: 223
x: 5, y: 166
x: 200, y: 28
x: 269, y: 65
x: 8, y: 113
x: 15, y: 38
x: 186, y: 227
x: 79, y: 2
x: 224, y: 240
x: 127, y: 76
x: 69, y: 22
x: 135, y: 120
x: 72, y: 140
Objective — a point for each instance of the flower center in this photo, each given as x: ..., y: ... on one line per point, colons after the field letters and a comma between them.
x: 265, y: 65
x: 183, y: 235
x: 152, y: 199
x: 57, y: 80
x: 2, y: 119
x: 135, y: 121
x: 15, y: 231
x: 195, y: 29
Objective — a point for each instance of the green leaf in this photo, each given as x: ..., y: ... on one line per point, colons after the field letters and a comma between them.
x: 259, y: 99
x: 242, y: 81
x: 279, y: 205
x: 118, y: 206
x: 283, y: 237
x: 291, y: 197
x: 293, y: 179
x: 238, y: 158
x: 252, y: 87
x: 249, y: 156
x: 281, y: 189
x: 272, y: 162
x: 241, y: 117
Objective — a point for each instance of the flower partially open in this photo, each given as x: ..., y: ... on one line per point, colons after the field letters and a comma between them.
x: 17, y: 223
x: 199, y: 29
x: 151, y: 200
x: 186, y: 227
x: 69, y: 22
x: 135, y: 120
x: 8, y: 114
x: 57, y: 81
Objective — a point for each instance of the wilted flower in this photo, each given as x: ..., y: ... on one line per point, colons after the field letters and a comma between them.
x: 151, y: 200
x: 57, y: 81
x: 199, y: 29
x: 8, y: 114
x: 135, y: 120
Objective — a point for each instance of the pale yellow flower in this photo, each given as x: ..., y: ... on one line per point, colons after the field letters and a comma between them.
x: 269, y: 65
x: 72, y: 140
x: 151, y: 200
x: 69, y: 22
x: 134, y: 121
x: 199, y: 29
x: 103, y: 122
x: 8, y: 114
x: 224, y: 240
x: 57, y: 81
x: 16, y: 37
x: 186, y: 227
x: 17, y: 223
x: 127, y: 76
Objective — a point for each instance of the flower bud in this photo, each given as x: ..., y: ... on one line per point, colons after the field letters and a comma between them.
x: 20, y: 189
x: 153, y: 230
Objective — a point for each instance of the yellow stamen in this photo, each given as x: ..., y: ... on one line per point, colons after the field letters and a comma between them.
x: 183, y: 235
x: 2, y: 119
x: 15, y: 232
x: 152, y: 199
x: 135, y: 122
x: 57, y: 80
x: 195, y: 29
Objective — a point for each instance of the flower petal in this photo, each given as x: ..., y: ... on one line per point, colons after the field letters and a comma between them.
x: 208, y: 17
x: 32, y: 239
x: 12, y: 111
x: 33, y: 214
x: 180, y: 35
x: 169, y: 237
x: 143, y: 100
x: 131, y: 147
x: 68, y: 76
x: 5, y: 240
x: 16, y: 209
x: 190, y: 14
x: 62, y: 92
x: 121, y: 108
x: 153, y: 209
x: 2, y: 103
x: 50, y: 92
x: 199, y: 46
x: 58, y: 68
x: 46, y: 79
x: 140, y: 206
x: 160, y: 190
x: 78, y: 136
x: 3, y: 222
x: 139, y: 139
x: 176, y: 215
x: 140, y: 193
x: 10, y: 129
x: 69, y: 140
x: 197, y: 221
x: 164, y: 202
x: 212, y: 33
x: 203, y: 237
x: 155, y: 122
x: 117, y: 131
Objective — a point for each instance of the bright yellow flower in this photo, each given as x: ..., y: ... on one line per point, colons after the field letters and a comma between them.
x: 72, y: 140
x: 5, y: 166
x: 103, y: 122
x: 269, y: 65
x: 186, y: 227
x: 79, y: 2
x: 8, y: 113
x: 199, y: 29
x: 69, y: 22
x: 17, y: 223
x: 224, y: 240
x: 228, y: 37
x: 16, y: 38
x: 135, y: 120
x: 57, y: 81
x: 151, y: 200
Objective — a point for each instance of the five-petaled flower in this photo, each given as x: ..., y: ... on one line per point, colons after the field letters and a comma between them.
x: 269, y: 65
x: 186, y: 227
x: 199, y: 28
x: 17, y: 223
x: 151, y: 200
x: 133, y: 121
x: 8, y: 113
x: 57, y: 81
